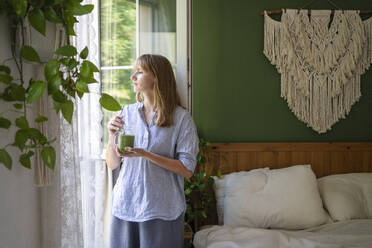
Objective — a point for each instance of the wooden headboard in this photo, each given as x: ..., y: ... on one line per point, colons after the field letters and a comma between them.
x: 324, y: 158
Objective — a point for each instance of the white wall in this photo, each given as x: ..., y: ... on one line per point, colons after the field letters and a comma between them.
x: 19, y: 198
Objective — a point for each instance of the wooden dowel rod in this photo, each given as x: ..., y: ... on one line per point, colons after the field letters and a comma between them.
x: 279, y: 11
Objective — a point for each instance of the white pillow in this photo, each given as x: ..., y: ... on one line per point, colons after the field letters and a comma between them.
x: 285, y: 198
x: 347, y: 196
x: 219, y: 191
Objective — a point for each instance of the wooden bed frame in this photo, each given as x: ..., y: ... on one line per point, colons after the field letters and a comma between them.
x: 324, y: 158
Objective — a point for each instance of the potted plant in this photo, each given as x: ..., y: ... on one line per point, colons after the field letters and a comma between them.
x: 198, y: 189
x: 66, y: 77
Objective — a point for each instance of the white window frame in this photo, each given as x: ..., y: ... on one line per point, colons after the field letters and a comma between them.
x: 184, y: 52
x: 183, y: 44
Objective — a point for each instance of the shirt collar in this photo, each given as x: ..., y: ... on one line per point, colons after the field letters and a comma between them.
x: 140, y: 110
x: 139, y: 106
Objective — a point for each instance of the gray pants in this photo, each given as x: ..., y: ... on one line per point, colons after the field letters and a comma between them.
x: 155, y: 233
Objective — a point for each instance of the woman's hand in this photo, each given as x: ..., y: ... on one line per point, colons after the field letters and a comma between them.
x: 134, y: 152
x: 173, y: 165
x: 115, y: 124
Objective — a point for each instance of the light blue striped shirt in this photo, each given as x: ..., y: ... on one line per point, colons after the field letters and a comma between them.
x: 144, y: 190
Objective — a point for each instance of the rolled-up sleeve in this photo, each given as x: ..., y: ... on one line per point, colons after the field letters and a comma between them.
x: 187, y: 144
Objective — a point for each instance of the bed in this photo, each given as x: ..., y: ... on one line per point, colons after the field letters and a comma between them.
x: 289, y: 195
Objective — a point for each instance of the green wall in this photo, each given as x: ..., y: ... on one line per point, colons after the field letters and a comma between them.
x: 236, y: 91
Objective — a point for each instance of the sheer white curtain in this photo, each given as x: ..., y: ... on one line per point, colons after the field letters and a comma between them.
x: 76, y: 207
x: 61, y: 209
x: 94, y: 174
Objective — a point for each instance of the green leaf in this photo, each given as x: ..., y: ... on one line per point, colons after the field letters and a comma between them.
x: 219, y: 175
x: 70, y: 21
x: 6, y: 95
x: 48, y: 154
x: 88, y: 80
x: 92, y: 67
x: 18, y: 105
x: 67, y: 50
x: 22, y: 122
x: 64, y: 61
x: 18, y: 93
x: 80, y: 94
x: 70, y: 92
x: 20, y: 7
x: 5, y: 69
x: 57, y: 106
x: 36, y: 136
x: 14, y: 92
x: 5, y: 78
x: 37, y: 20
x: 109, y: 103
x: 54, y: 83
x: 5, y: 159
x: 85, y: 70
x: 41, y: 118
x: 82, y: 86
x: 54, y: 2
x: 34, y: 133
x: 72, y: 63
x: 21, y: 137
x: 51, y: 69
x: 203, y: 214
x: 30, y: 54
x: 58, y: 96
x: 51, y: 16
x: 201, y: 159
x: 36, y: 91
x: 78, y: 9
x: 67, y: 110
x: 84, y: 53
x: 202, y: 187
x: 24, y: 159
x: 43, y: 140
x: 37, y: 3
x: 4, y: 123
x: 187, y: 191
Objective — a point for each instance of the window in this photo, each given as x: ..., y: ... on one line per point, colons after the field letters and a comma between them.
x: 129, y: 28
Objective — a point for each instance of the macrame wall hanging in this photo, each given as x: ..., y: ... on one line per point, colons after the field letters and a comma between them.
x: 320, y: 61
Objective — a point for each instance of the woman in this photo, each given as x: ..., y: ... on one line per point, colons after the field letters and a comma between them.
x: 148, y: 198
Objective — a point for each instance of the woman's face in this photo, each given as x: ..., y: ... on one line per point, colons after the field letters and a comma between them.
x: 143, y: 81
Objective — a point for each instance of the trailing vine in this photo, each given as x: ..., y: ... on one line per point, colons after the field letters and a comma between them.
x: 66, y: 77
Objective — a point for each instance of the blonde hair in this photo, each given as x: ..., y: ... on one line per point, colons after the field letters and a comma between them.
x: 166, y: 97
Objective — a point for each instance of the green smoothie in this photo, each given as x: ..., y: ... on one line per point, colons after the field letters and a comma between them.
x: 125, y: 140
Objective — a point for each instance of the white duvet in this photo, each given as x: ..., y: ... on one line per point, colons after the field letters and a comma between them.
x: 353, y: 233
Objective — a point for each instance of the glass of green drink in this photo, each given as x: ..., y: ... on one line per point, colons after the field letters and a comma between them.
x: 124, y: 138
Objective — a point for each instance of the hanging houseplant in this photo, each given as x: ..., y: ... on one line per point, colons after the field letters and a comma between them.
x: 66, y: 77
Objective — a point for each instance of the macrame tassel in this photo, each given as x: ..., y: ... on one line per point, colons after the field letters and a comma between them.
x: 42, y: 174
x: 368, y: 30
x: 272, y: 36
